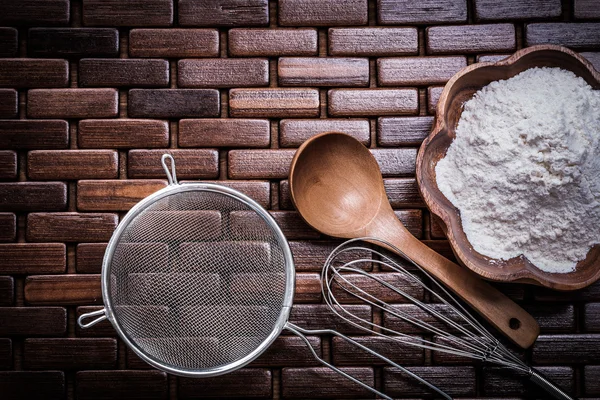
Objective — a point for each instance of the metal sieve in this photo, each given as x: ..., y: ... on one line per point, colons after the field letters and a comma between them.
x: 198, y: 280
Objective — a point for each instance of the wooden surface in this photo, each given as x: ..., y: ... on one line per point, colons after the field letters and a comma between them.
x: 58, y: 221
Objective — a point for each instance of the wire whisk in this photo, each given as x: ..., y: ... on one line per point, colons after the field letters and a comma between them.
x: 456, y: 330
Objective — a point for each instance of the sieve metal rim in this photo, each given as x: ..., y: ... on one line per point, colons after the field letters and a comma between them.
x: 290, y: 273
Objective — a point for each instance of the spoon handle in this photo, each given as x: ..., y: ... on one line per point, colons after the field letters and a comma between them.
x: 500, y: 311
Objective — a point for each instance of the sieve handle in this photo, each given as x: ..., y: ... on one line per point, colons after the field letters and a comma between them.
x: 171, y: 175
x: 102, y: 317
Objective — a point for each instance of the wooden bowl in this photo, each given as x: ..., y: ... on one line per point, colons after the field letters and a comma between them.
x: 449, y: 108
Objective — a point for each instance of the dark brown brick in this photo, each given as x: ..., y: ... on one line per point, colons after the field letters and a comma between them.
x: 223, y: 72
x: 319, y: 316
x: 391, y: 12
x: 33, y: 196
x: 370, y: 285
x: 191, y: 164
x: 471, y: 38
x: 293, y: 132
x: 99, y: 385
x: 397, y: 383
x: 259, y: 191
x: 489, y: 10
x: 24, y: 134
x: 135, y: 362
x: 358, y: 102
x: 33, y: 258
x: 412, y: 220
x: 128, y: 13
x: 586, y: 9
x: 581, y: 36
x: 223, y: 132
x: 244, y: 382
x: 287, y: 351
x: 505, y: 382
x: 293, y: 226
x: 174, y: 43
x: 433, y: 95
x: 8, y: 227
x: 558, y: 318
x: 8, y: 166
x: 63, y: 290
x: 174, y: 103
x: 17, y: 321
x: 9, y: 44
x: 70, y: 227
x: 259, y: 164
x: 400, y: 325
x: 308, y: 288
x: 396, y: 162
x: 114, y: 195
x: 101, y: 329
x: 9, y: 103
x: 33, y: 72
x: 403, y: 192
x: 593, y: 57
x: 274, y: 102
x: 318, y: 71
x: 70, y: 353
x: 322, y: 12
x: 273, y: 42
x: 72, y: 103
x: 591, y: 378
x: 89, y: 257
x: 6, y: 356
x: 404, y: 131
x: 34, y: 12
x: 122, y: 133
x: 324, y: 383
x: 72, y: 164
x: 73, y: 42
x: 46, y: 385
x: 7, y: 291
x: 123, y: 72
x: 436, y: 230
x: 589, y: 293
x: 591, y: 317
x: 418, y: 70
x: 310, y: 256
x: 345, y: 353
x: 373, y: 41
x: 223, y: 13
x: 566, y: 349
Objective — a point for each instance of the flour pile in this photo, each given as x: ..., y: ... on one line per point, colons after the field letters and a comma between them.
x: 524, y: 169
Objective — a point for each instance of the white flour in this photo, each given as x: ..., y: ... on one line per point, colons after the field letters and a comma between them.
x: 524, y: 169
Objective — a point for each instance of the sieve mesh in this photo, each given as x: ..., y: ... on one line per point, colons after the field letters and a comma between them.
x: 197, y: 280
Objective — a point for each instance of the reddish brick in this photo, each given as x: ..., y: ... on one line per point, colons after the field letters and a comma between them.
x: 35, y: 12
x: 586, y: 9
x: 403, y: 131
x: 324, y: 383
x: 47, y: 385
x: 308, y: 288
x: 89, y: 257
x: 7, y: 291
x: 489, y: 10
x: 502, y: 382
x: 576, y: 36
x: 358, y: 102
x: 435, y: 229
x: 412, y: 220
x: 223, y: 132
x: 594, y: 58
x: 73, y: 42
x: 6, y: 354
x: 128, y: 13
x: 259, y: 164
x: 293, y: 132
x: 9, y: 103
x: 63, y: 289
x: 9, y: 43
x: 174, y: 43
x: 471, y: 38
x: 49, y: 321
x: 72, y: 164
x: 592, y: 379
x: 95, y: 72
x: 433, y: 95
x: 308, y: 71
x: 310, y: 256
x: 397, y: 383
x: 273, y: 42
x: 33, y: 196
x: 8, y: 165
x: 223, y: 13
x: 114, y: 195
x: 274, y: 102
x: 418, y: 70
x: 72, y: 103
x: 288, y: 351
x: 32, y: 72
x: 174, y: 103
x: 373, y: 41
x: 70, y: 227
x: 191, y: 164
x: 391, y: 12
x: 94, y: 385
x: 122, y: 133
x: 566, y: 349
x: 8, y: 227
x: 24, y: 134
x: 322, y: 12
x: 345, y: 353
x: 241, y: 383
x: 403, y: 192
x: 70, y: 353
x: 223, y: 72
x: 293, y: 226
x: 592, y: 317
x: 319, y: 316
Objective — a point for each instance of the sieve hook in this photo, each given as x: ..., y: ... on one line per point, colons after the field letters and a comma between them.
x: 171, y: 176
x: 102, y: 317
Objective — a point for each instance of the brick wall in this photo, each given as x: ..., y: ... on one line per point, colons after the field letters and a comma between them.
x: 94, y: 91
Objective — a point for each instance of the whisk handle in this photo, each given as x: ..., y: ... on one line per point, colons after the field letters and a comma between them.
x: 550, y: 388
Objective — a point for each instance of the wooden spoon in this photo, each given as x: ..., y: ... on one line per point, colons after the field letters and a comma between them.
x: 337, y: 187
